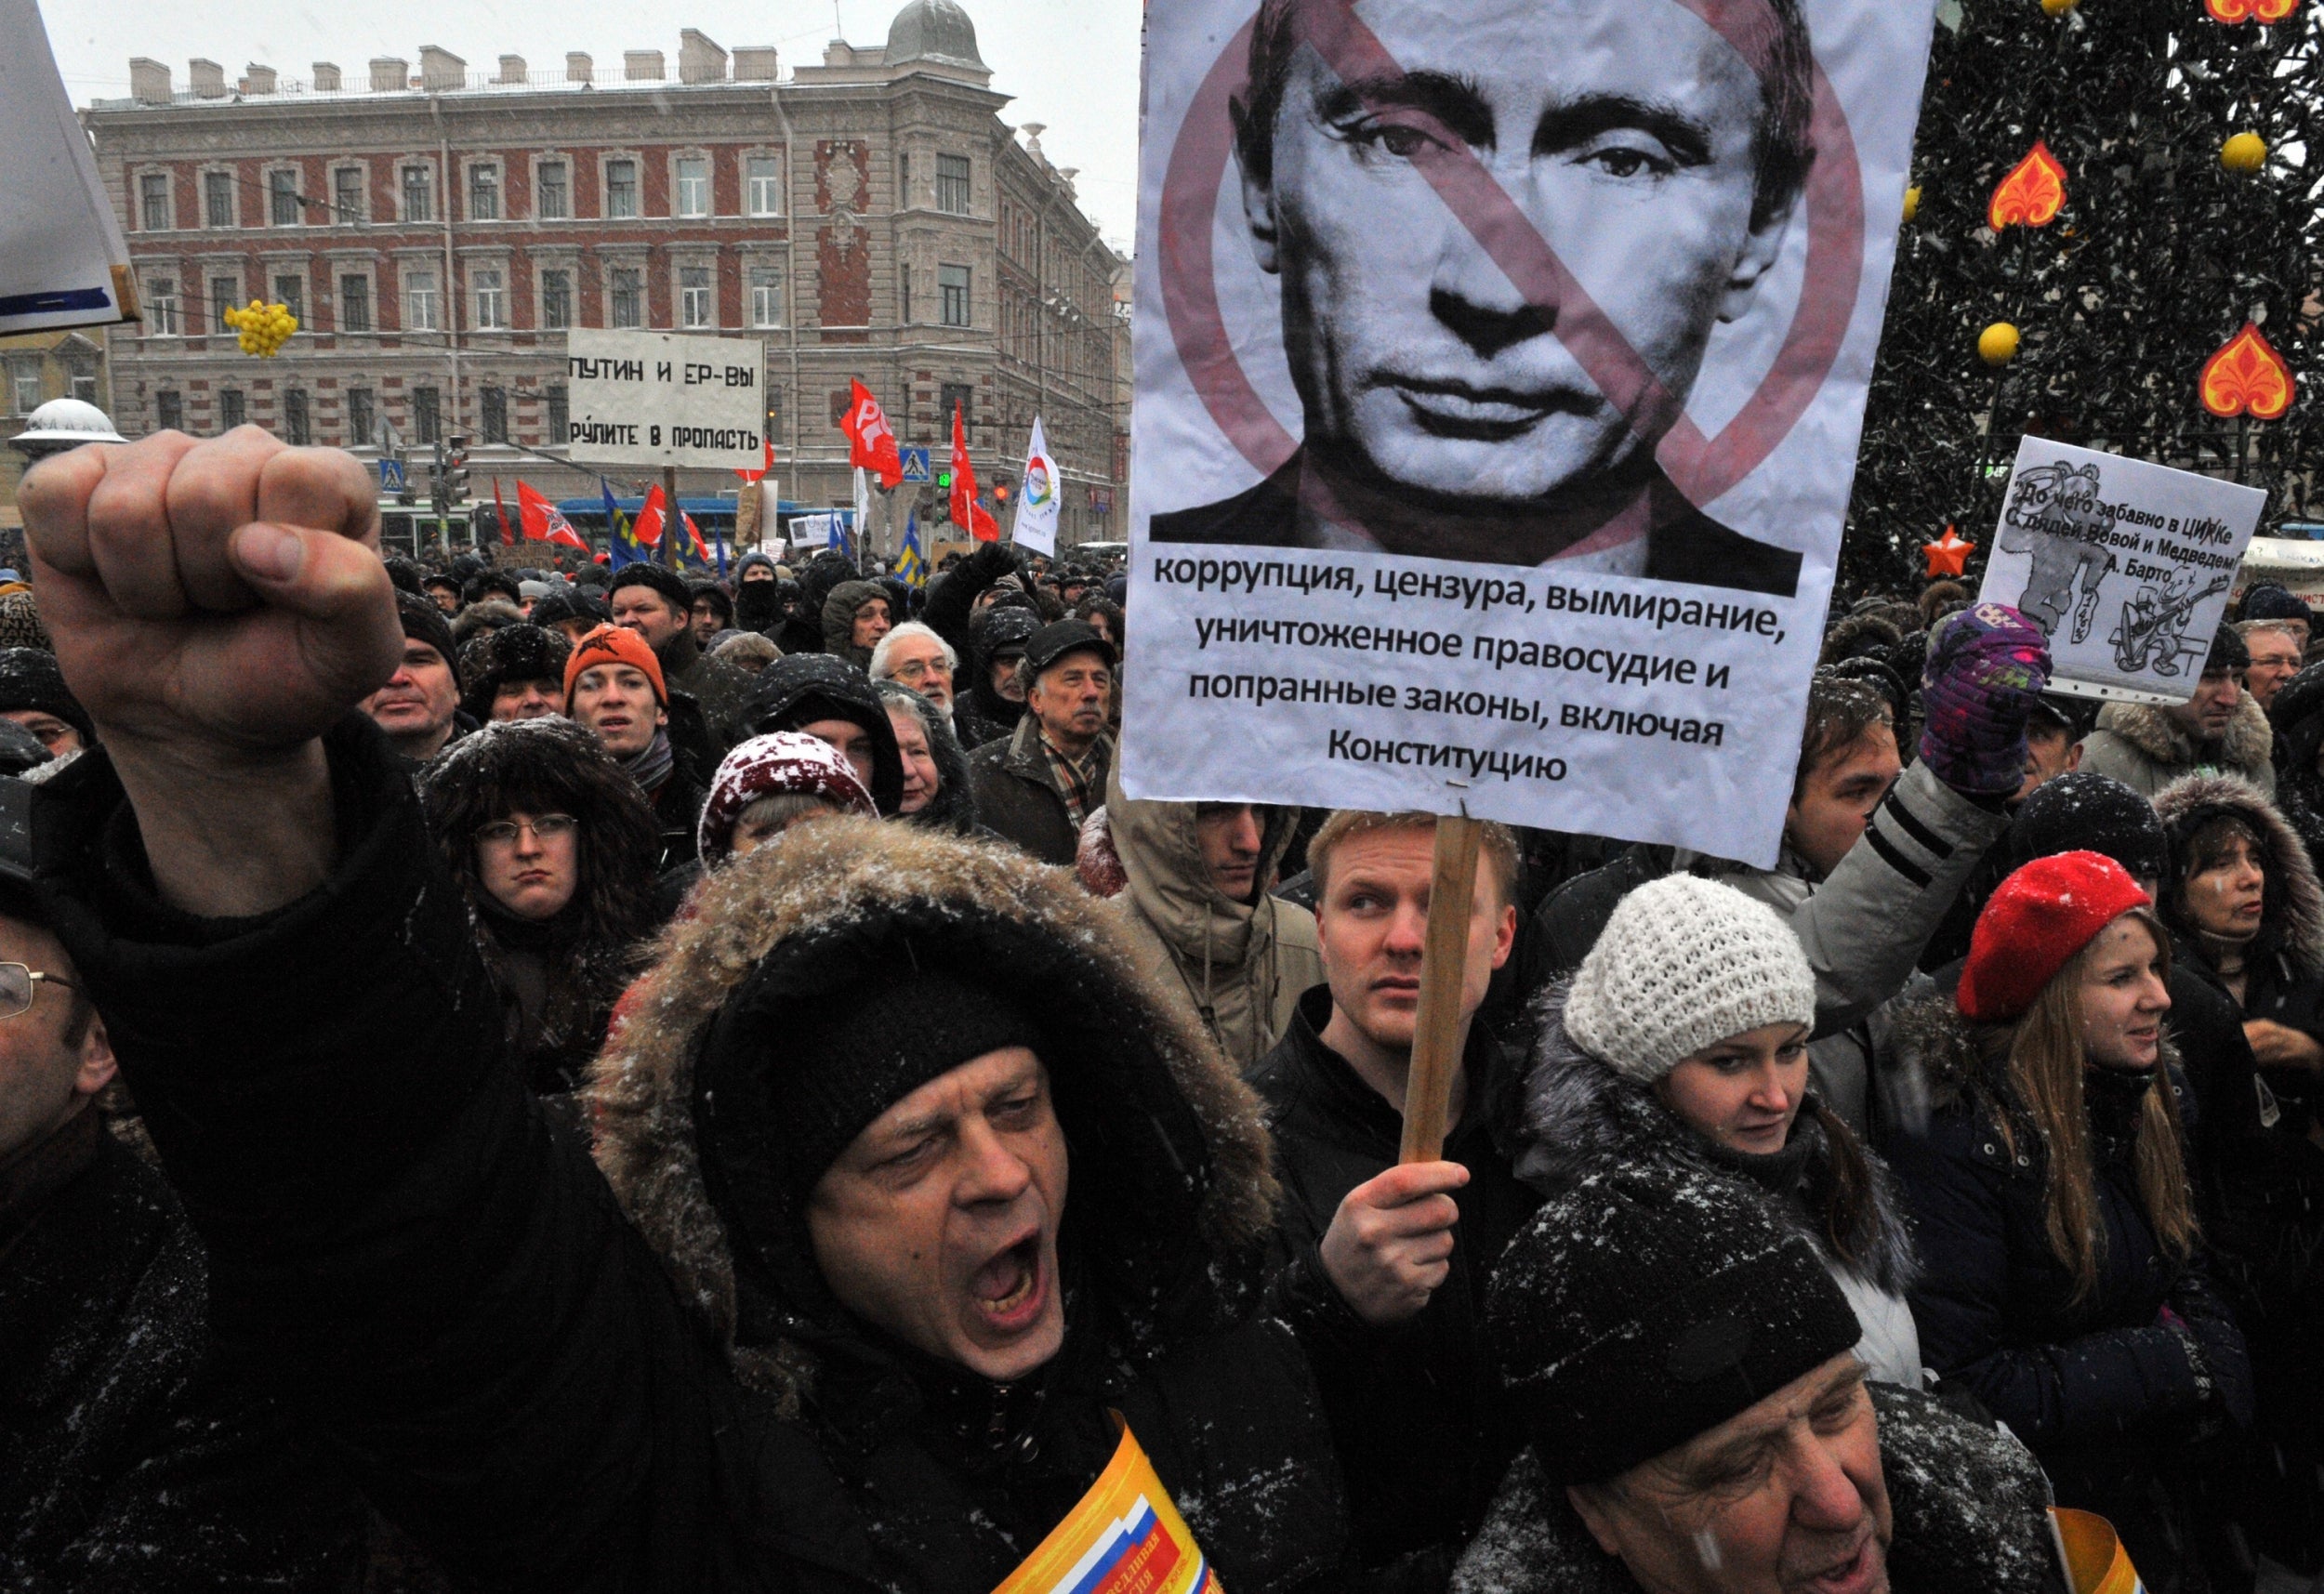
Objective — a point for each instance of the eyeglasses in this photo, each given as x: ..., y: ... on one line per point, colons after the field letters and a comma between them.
x: 921, y: 669
x: 544, y: 827
x: 16, y: 987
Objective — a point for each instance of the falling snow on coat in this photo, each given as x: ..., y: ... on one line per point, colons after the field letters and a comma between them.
x: 550, y: 1385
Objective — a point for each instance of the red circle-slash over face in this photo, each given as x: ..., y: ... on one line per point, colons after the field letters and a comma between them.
x: 1627, y: 378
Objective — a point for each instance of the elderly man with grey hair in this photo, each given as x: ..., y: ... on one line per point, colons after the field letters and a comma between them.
x: 914, y: 655
x: 2276, y: 648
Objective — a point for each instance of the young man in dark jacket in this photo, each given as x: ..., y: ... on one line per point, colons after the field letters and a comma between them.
x: 1385, y: 1266
x: 828, y: 1329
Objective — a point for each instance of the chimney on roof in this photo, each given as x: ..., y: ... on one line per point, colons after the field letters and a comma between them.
x: 641, y: 66
x: 389, y: 73
x: 207, y: 77
x: 327, y: 77
x: 148, y: 81
x: 755, y: 63
x: 699, y: 60
x: 257, y: 79
x: 511, y: 69
x: 440, y: 69
x: 578, y: 67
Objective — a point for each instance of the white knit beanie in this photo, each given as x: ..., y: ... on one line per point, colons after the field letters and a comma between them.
x: 1684, y: 963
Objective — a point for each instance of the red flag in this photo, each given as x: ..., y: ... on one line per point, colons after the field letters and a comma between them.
x: 646, y: 530
x: 764, y: 472
x: 544, y: 522
x: 508, y: 535
x: 965, y: 512
x: 871, y: 442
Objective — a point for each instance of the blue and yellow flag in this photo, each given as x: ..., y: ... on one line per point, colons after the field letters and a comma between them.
x: 911, y: 564
x: 620, y: 535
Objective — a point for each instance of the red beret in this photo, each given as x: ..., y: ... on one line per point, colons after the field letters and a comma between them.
x: 2034, y: 925
x: 614, y: 645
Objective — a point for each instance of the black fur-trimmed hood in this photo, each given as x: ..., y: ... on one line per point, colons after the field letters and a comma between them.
x: 2292, y: 921
x: 1172, y: 1181
x: 1580, y: 1116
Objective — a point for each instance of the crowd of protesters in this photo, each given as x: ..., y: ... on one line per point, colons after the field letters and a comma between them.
x: 629, y: 1080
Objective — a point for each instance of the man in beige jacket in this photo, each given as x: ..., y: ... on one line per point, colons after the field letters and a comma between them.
x: 1199, y: 914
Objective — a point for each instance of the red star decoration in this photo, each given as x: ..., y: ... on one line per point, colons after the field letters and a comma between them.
x: 1948, y: 554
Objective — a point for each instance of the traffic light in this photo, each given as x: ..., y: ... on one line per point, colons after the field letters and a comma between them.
x: 438, y: 474
x: 456, y: 461
x: 943, y: 480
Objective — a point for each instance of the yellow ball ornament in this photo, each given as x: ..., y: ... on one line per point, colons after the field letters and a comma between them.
x: 2245, y: 152
x: 261, y: 328
x: 1912, y: 202
x: 1997, y: 345
x: 2058, y: 8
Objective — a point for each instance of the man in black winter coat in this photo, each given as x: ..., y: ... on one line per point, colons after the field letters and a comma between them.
x: 836, y: 1325
x: 131, y: 1457
x: 1385, y: 1266
x: 1037, y: 787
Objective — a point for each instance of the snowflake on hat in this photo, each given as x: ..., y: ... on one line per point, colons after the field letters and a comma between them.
x: 784, y: 761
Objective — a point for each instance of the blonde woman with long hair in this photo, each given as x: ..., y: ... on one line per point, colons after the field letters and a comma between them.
x: 2062, y: 1270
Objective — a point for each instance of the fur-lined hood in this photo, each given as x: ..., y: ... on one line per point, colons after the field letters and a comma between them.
x: 1160, y: 852
x: 1935, y: 1054
x: 2247, y: 745
x: 1172, y: 1192
x: 2292, y: 920
x: 1580, y: 1117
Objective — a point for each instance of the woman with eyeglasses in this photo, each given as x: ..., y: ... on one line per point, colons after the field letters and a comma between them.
x: 556, y: 850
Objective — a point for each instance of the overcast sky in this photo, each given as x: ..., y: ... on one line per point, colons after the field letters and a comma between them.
x: 1070, y: 64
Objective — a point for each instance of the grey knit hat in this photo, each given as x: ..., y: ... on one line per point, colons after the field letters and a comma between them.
x: 1684, y: 963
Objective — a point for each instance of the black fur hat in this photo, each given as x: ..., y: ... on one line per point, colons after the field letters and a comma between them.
x: 513, y: 652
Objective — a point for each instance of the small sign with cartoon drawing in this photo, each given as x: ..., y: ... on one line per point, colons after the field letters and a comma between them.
x: 2124, y: 565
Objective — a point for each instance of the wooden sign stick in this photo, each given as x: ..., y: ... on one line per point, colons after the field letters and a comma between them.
x: 1437, y: 1034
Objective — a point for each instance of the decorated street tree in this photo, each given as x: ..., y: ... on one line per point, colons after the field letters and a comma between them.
x: 2114, y: 218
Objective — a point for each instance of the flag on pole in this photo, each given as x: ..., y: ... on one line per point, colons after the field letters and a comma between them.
x: 1037, y: 501
x: 646, y: 530
x: 507, y: 536
x: 871, y: 442
x: 965, y: 512
x: 544, y: 522
x: 911, y: 564
x: 862, y: 513
x: 768, y: 469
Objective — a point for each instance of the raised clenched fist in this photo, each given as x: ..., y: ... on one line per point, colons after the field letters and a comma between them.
x: 212, y: 601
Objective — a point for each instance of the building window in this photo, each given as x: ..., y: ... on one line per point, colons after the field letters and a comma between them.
x: 492, y: 302
x: 424, y: 427
x: 360, y: 416
x: 957, y: 398
x: 224, y: 293
x: 766, y: 296
x: 559, y: 418
x: 495, y: 414
x: 621, y: 189
x: 170, y: 410
x: 160, y: 306
x: 693, y: 185
x: 217, y: 198
x: 84, y: 383
x: 903, y: 178
x: 296, y: 430
x: 282, y: 199
x: 952, y: 184
x: 290, y: 292
x: 766, y: 185
x: 556, y: 300
x: 354, y: 302
x: 154, y: 202
x: 419, y: 302
x: 231, y: 412
x: 952, y: 289
x: 624, y: 298
x: 418, y: 194
x: 903, y: 294
x: 552, y: 190
x: 24, y: 388
x: 484, y: 193
x: 693, y: 296
x: 347, y: 195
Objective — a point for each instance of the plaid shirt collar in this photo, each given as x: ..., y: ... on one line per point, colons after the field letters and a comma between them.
x: 1074, y: 778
